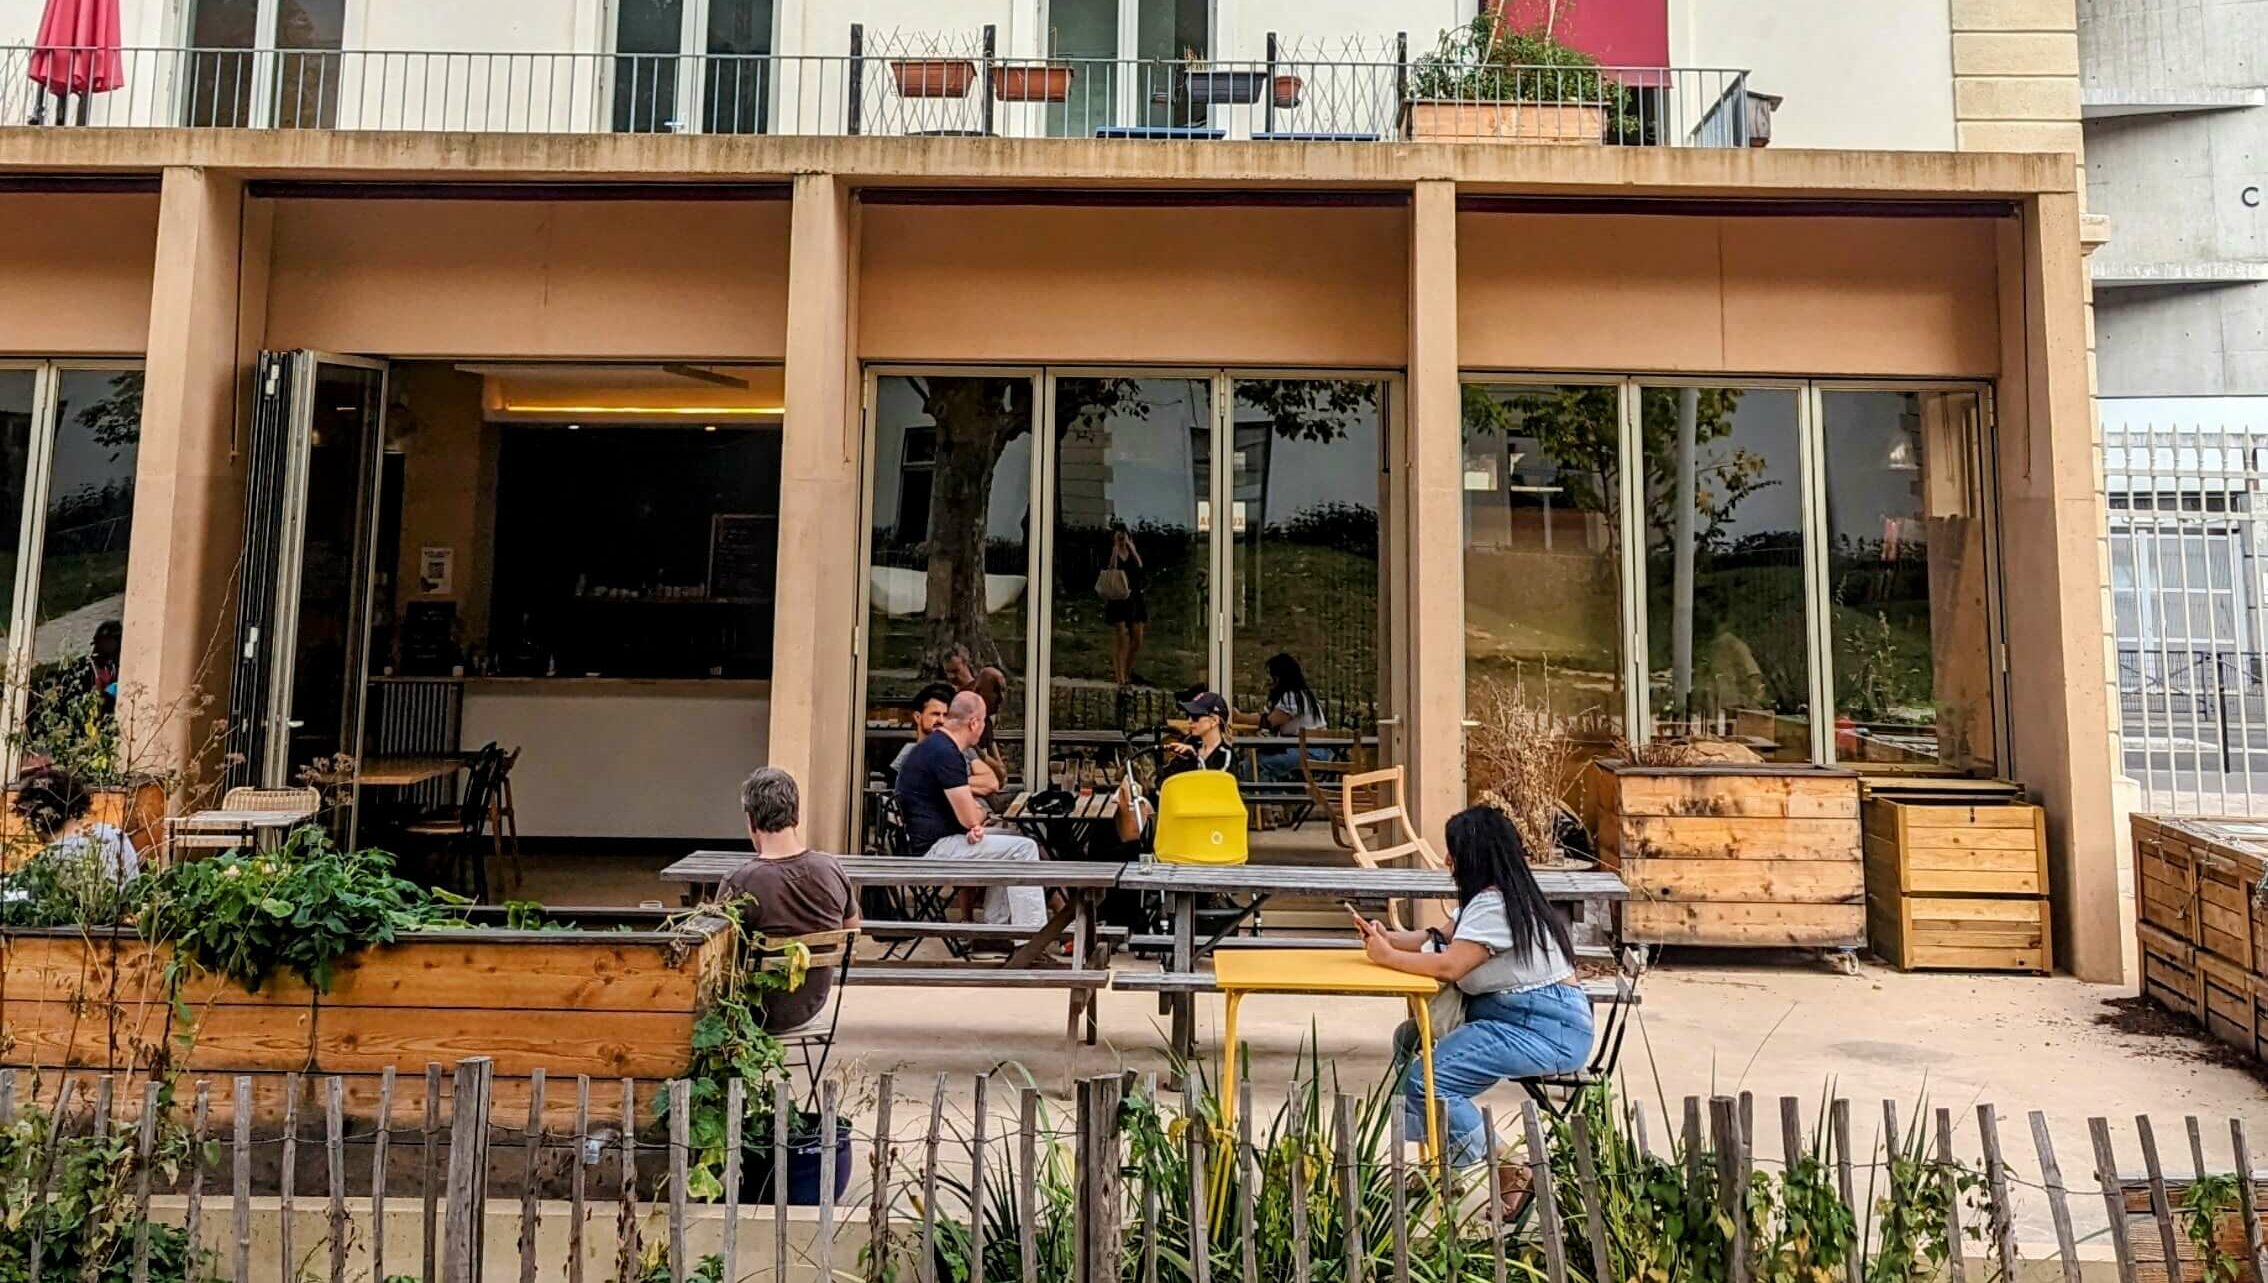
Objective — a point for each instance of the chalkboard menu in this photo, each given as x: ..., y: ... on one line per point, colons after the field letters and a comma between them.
x: 743, y: 555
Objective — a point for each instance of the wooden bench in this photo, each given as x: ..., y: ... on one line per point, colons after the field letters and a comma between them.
x: 960, y: 975
x: 1164, y: 943
x: 1602, y: 992
x: 1116, y: 936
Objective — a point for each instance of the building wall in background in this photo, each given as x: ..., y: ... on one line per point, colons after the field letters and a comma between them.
x: 1871, y: 75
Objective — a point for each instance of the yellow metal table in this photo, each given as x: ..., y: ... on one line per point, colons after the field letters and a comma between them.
x: 1237, y: 972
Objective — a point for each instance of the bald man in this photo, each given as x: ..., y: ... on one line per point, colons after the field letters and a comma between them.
x: 945, y: 821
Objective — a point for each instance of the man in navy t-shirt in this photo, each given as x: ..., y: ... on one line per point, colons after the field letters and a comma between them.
x: 945, y: 821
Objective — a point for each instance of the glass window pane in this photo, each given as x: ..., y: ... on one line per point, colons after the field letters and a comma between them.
x: 79, y: 618
x: 736, y: 86
x: 16, y: 387
x: 307, y: 84
x: 1084, y: 33
x: 1303, y: 518
x: 1543, y: 556
x: 333, y: 614
x: 1131, y: 467
x: 1727, y: 642
x: 649, y: 38
x: 950, y: 562
x: 1907, y: 579
x: 219, y: 75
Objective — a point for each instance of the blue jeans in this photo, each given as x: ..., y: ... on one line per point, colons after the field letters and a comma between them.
x: 1505, y: 1036
x: 1281, y: 765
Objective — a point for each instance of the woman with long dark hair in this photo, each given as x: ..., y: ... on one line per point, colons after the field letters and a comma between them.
x: 1508, y: 952
x: 1292, y: 708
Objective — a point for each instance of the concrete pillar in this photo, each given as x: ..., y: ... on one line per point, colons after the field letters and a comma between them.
x: 188, y: 489
x: 1434, y: 746
x: 816, y: 619
x: 2051, y: 519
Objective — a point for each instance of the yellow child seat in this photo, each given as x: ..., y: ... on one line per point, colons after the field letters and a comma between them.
x: 1201, y: 819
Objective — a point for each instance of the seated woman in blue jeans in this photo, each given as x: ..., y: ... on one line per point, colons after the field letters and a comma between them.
x: 1508, y: 952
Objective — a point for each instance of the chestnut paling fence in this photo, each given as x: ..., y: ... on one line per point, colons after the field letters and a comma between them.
x: 1128, y: 1188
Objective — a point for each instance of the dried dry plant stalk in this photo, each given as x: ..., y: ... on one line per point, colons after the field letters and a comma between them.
x: 1517, y: 754
x: 1655, y: 752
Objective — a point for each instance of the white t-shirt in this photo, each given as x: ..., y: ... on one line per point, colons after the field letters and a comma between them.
x: 1303, y: 716
x: 106, y: 843
x: 1483, y: 922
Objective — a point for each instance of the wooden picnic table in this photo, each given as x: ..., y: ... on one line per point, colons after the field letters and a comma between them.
x: 1183, y: 885
x: 1068, y: 835
x: 1082, y: 886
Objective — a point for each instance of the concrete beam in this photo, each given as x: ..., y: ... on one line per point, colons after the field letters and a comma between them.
x: 1434, y: 748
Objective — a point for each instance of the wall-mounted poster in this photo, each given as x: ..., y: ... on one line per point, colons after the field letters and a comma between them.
x: 437, y: 571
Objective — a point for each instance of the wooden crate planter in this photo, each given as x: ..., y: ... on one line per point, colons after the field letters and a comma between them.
x: 612, y: 1005
x: 1957, y: 886
x: 1742, y: 855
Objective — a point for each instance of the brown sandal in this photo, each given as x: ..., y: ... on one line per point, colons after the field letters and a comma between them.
x: 1515, y: 1186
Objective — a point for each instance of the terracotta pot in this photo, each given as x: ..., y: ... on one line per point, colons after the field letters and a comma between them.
x: 933, y: 77
x: 1031, y: 83
x: 1285, y: 91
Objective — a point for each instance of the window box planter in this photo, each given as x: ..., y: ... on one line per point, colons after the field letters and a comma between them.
x: 1503, y: 122
x: 933, y: 77
x: 610, y: 1004
x: 1031, y: 82
x: 1741, y: 855
x: 1223, y: 88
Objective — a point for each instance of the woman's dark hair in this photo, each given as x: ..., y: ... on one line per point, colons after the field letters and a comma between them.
x: 1286, y: 677
x: 1486, y: 853
x: 47, y: 799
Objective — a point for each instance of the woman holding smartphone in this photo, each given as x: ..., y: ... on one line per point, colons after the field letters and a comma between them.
x: 1508, y: 951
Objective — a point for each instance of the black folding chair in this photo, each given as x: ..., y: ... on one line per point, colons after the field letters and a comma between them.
x: 902, y: 903
x: 1555, y: 1093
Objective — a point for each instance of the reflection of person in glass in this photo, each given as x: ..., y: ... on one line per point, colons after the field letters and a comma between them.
x: 102, y: 664
x: 987, y: 683
x: 1124, y: 608
x: 1292, y: 708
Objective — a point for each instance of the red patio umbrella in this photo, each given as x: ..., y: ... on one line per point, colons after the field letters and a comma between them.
x: 77, y: 50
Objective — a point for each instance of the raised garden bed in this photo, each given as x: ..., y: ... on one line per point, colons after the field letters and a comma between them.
x: 598, y: 1001
x: 1748, y: 855
x: 2201, y: 924
x: 1956, y: 884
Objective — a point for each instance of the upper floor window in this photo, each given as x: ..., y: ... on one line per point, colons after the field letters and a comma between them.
x: 659, y: 43
x: 264, y: 62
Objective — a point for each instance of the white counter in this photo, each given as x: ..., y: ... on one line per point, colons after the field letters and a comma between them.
x: 624, y: 758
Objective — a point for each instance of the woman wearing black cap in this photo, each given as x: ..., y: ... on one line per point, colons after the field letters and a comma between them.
x: 1207, y: 747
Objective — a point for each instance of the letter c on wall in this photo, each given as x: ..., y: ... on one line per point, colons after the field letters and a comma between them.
x: 2251, y: 197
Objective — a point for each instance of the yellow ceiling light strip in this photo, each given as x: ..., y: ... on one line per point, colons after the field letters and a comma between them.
x: 684, y: 411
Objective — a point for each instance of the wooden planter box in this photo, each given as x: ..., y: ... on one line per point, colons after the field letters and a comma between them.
x: 610, y: 1004
x: 1504, y: 122
x: 1745, y: 855
x: 2202, y: 933
x: 1957, y: 886
x: 139, y: 811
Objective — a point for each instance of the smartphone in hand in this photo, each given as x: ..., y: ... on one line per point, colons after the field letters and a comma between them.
x: 1362, y: 924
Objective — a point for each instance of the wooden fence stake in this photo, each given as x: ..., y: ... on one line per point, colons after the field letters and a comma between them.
x: 1494, y: 1202
x: 1791, y: 1133
x: 2003, y: 1227
x: 1148, y: 1093
x: 1693, y: 1170
x: 429, y: 1188
x: 531, y: 1216
x: 1095, y: 1230
x: 1397, y: 1140
x: 929, y: 1181
x: 783, y: 1105
x: 577, y: 1181
x: 626, y: 1251
x: 1350, y: 1187
x: 380, y: 1141
x: 1732, y: 1195
x: 1587, y: 1171
x: 334, y: 1164
x: 680, y: 1128
x: 1955, y: 1270
x: 2114, y: 1203
x: 2059, y: 1204
x: 1027, y: 1184
x: 242, y: 1178
x: 145, y: 1141
x: 58, y: 1123
x: 1839, y: 1123
x: 827, y: 1107
x: 2241, y: 1155
x: 288, y: 1179
x: 460, y: 1250
x: 736, y: 1107
x: 878, y: 1211
x: 7, y: 1096
x: 1248, y: 1180
x: 977, y: 1111
x: 1546, y: 1201
x: 2161, y: 1205
x: 193, y: 1218
x: 1295, y: 1125
x: 2196, y: 1146
x: 1638, y: 1129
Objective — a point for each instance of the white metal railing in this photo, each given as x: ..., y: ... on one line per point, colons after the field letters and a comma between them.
x: 2189, y: 565
x: 889, y: 93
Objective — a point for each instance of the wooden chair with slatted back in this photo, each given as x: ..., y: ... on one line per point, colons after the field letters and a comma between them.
x: 1373, y: 799
x: 1324, y: 776
x: 504, y: 819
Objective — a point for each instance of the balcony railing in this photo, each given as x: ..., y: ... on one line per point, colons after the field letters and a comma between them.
x: 1283, y: 99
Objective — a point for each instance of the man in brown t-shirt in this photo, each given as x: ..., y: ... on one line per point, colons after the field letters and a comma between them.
x: 798, y: 891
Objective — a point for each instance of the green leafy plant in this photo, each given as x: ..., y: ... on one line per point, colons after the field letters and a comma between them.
x: 1911, y: 1244
x: 300, y: 908
x: 2203, y: 1205
x: 85, y: 1227
x: 729, y: 1042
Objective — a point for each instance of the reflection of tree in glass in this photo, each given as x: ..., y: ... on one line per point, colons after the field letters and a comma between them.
x: 116, y: 419
x: 976, y: 420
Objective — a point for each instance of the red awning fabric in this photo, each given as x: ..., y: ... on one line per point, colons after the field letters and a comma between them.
x: 77, y: 49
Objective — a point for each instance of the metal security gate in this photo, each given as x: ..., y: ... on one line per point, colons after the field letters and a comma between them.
x: 2187, y: 595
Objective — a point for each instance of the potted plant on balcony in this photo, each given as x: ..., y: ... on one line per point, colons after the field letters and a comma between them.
x: 1285, y: 90
x: 1210, y: 86
x: 1490, y: 82
x: 1031, y: 82
x: 933, y: 77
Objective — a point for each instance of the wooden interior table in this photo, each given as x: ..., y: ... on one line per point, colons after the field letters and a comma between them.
x: 406, y: 772
x: 1238, y: 972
